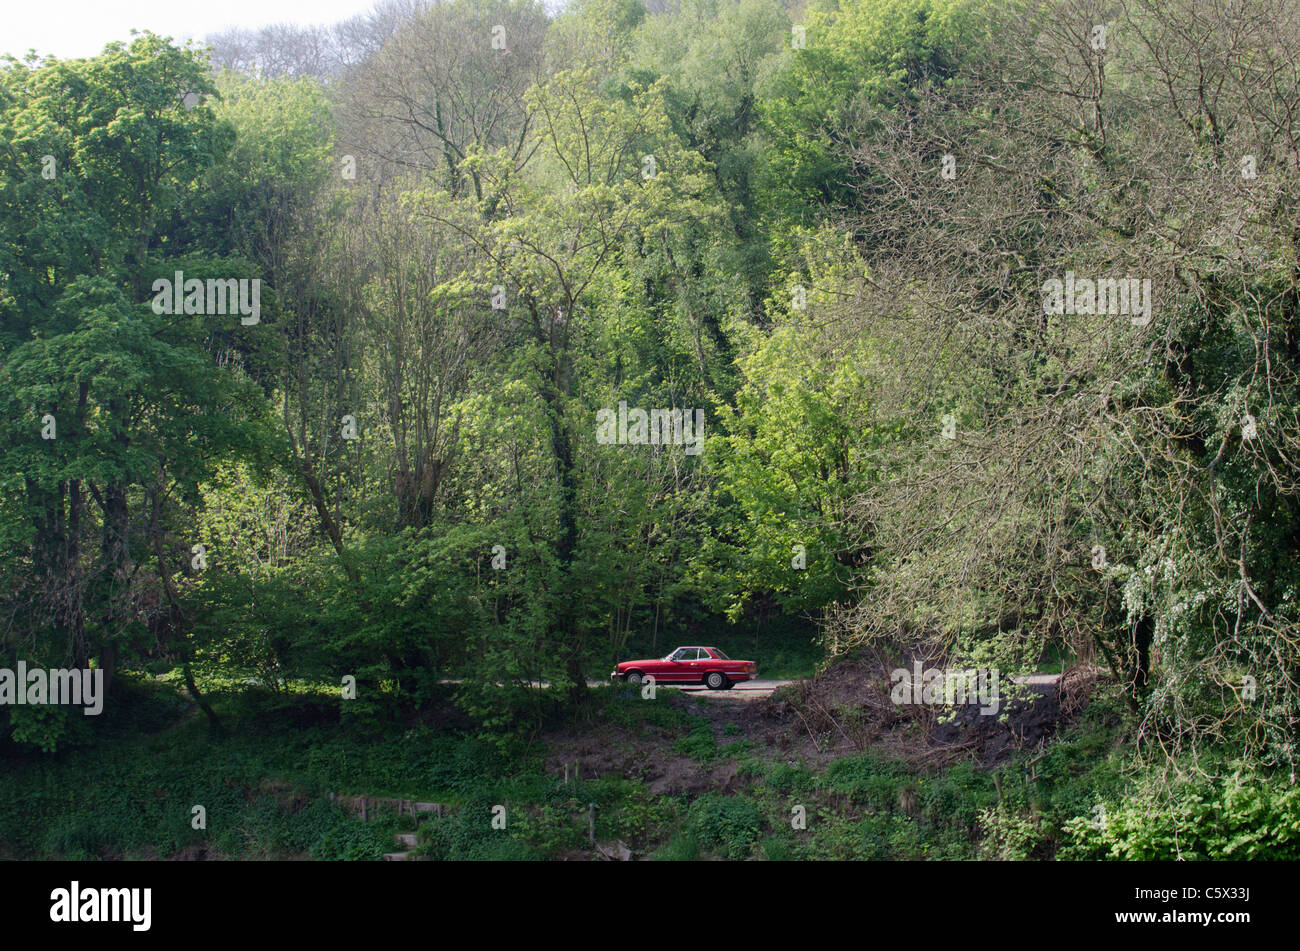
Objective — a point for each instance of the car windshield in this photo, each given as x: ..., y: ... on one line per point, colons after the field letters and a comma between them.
x: 721, y: 656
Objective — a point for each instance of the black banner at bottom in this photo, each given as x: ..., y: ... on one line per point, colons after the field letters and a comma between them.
x: 333, y: 901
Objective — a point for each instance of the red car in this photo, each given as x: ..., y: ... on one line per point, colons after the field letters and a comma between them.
x: 689, y: 665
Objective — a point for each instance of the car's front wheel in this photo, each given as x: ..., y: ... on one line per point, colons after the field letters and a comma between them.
x: 715, y: 681
x: 634, y: 678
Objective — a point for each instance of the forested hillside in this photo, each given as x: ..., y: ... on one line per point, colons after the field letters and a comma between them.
x: 843, y: 335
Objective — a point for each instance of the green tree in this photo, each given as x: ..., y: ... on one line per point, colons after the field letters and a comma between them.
x: 136, y: 406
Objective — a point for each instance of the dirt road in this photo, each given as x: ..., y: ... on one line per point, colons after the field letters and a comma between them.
x: 758, y: 689
x: 749, y: 690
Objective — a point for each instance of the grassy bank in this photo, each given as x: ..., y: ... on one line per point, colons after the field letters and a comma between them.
x: 710, y: 787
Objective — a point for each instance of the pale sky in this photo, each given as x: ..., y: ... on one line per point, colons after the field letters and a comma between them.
x: 70, y: 28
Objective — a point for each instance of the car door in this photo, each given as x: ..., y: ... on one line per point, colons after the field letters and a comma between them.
x: 677, y: 668
x: 697, y: 662
x: 692, y: 660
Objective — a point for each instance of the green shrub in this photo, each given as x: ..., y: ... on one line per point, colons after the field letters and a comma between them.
x: 869, y: 779
x: 472, y: 837
x: 680, y: 848
x: 351, y: 840
x: 789, y: 778
x: 1010, y: 836
x: 1247, y: 816
x: 778, y: 849
x: 699, y: 744
x: 726, y: 825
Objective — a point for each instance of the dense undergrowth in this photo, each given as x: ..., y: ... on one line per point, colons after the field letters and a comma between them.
x: 265, y: 789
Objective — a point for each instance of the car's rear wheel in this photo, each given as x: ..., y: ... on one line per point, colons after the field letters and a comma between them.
x: 716, y: 681
x: 634, y: 677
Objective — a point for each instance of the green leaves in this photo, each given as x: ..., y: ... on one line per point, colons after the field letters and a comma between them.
x: 1244, y: 816
x: 138, y: 403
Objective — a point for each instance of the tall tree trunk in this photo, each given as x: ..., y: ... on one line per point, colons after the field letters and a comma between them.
x: 566, y: 546
x: 568, y: 628
x: 176, y: 620
x: 116, y: 550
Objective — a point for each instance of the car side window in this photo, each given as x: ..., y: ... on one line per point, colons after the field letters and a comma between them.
x: 688, y: 653
x: 679, y: 654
